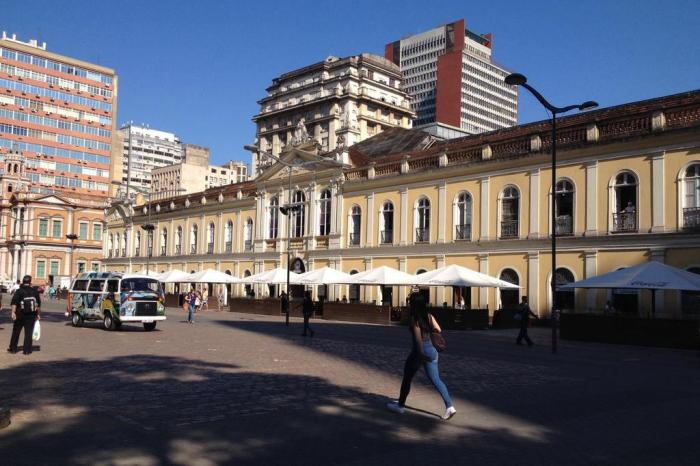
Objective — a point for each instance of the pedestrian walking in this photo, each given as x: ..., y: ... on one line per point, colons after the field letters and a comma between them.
x: 191, y: 300
x: 423, y: 353
x: 284, y: 306
x: 524, y: 312
x: 52, y: 292
x: 14, y: 287
x: 25, y: 311
x: 308, y: 310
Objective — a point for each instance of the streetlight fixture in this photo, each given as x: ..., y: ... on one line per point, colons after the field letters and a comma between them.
x: 72, y: 237
x: 149, y: 227
x: 517, y: 79
x: 290, y: 207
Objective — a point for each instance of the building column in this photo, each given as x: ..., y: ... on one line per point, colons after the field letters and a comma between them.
x: 483, y: 291
x: 591, y: 199
x: 484, y: 210
x: 659, y: 255
x: 311, y: 217
x: 369, y: 234
x: 590, y: 269
x: 534, y: 204
x: 533, y: 281
x: 658, y: 224
x: 368, y: 291
x: 440, y: 290
x: 403, y: 234
x: 442, y: 217
x: 219, y: 237
x: 202, y: 239
x: 402, y: 289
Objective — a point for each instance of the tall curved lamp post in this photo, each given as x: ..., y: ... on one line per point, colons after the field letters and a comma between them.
x: 517, y: 79
x: 72, y: 237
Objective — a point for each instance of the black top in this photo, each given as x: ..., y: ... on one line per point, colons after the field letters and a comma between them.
x: 308, y: 306
x: 285, y: 303
x: 525, y: 313
x: 24, y: 292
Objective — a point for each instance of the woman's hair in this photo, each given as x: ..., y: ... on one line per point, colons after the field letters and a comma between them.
x: 419, y: 311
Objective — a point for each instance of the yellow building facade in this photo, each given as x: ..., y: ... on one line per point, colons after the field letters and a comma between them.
x: 627, y: 191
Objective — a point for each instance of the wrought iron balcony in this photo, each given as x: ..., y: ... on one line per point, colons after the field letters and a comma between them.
x: 691, y: 218
x: 624, y: 222
x: 509, y: 229
x: 354, y: 239
x: 162, y: 250
x: 149, y: 251
x: 193, y: 249
x: 228, y: 246
x: 137, y: 252
x: 123, y: 252
x: 248, y: 244
x: 422, y: 235
x: 565, y: 225
x: 463, y: 232
x: 387, y: 237
x: 178, y: 249
x: 109, y: 253
x: 210, y: 248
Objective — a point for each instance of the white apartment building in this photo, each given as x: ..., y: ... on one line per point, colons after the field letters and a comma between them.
x: 452, y: 79
x: 143, y: 150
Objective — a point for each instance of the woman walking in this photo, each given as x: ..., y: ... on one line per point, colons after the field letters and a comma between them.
x: 423, y: 353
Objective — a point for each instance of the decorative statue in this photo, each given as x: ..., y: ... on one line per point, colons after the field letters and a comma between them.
x: 300, y: 134
x: 340, y: 142
x: 349, y: 118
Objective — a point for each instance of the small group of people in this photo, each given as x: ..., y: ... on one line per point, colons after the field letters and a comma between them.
x: 194, y: 302
x: 25, y: 311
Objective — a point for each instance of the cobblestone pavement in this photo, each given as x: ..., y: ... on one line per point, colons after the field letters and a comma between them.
x: 243, y: 389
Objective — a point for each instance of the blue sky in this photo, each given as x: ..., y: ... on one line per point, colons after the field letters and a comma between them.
x: 197, y: 68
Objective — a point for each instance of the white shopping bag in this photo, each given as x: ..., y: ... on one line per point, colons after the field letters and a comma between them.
x: 37, y: 331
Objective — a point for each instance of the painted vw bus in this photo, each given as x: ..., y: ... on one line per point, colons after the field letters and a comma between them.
x: 115, y: 298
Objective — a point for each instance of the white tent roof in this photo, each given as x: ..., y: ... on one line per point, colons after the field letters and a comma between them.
x: 382, y: 276
x: 151, y: 273
x: 211, y: 276
x: 273, y: 277
x: 324, y: 276
x: 174, y: 276
x: 456, y: 275
x: 649, y: 276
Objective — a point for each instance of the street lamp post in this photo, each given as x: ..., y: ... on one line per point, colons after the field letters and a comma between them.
x: 517, y: 79
x: 72, y: 237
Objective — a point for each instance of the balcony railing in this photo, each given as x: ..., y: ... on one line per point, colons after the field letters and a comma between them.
x: 354, y: 239
x: 178, y: 249
x: 463, y: 232
x: 624, y: 222
x: 387, y: 237
x: 509, y: 229
x: 123, y: 252
x: 149, y: 251
x: 228, y: 246
x: 248, y: 244
x: 162, y: 250
x: 422, y: 235
x: 137, y: 252
x: 565, y: 225
x: 193, y: 249
x: 691, y: 218
x: 210, y: 248
x: 109, y: 253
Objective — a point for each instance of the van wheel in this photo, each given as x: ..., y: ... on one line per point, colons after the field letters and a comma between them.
x: 76, y: 320
x: 108, y: 321
x: 148, y: 326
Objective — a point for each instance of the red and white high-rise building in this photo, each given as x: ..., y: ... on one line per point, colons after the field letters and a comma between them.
x: 452, y: 79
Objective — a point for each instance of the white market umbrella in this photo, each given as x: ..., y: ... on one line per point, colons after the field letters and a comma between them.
x: 272, y: 277
x: 324, y: 276
x: 150, y: 273
x: 211, y: 276
x: 382, y: 276
x: 173, y: 276
x: 456, y: 275
x: 648, y: 276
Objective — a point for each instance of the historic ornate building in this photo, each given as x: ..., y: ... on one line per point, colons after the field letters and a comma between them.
x: 628, y: 191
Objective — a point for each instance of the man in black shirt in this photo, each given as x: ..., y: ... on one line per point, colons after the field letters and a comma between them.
x: 284, y: 303
x: 308, y: 310
x: 26, y: 309
x: 525, y: 312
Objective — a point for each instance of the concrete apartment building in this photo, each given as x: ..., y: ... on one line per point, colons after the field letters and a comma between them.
x: 58, y: 112
x: 359, y: 95
x: 452, y: 79
x: 144, y: 149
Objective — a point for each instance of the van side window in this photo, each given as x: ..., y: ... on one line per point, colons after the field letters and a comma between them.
x: 80, y: 285
x: 96, y: 285
x: 112, y: 286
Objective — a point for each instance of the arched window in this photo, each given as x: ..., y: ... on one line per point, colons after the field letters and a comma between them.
x: 228, y: 236
x: 194, y: 233
x: 229, y: 287
x: 691, y: 197
x: 510, y: 212
x: 298, y: 214
x: 353, y: 291
x: 248, y: 234
x: 422, y: 220
x: 564, y: 299
x: 354, y: 225
x: 248, y: 288
x: 164, y: 242
x: 324, y: 219
x: 110, y: 245
x: 117, y: 244
x: 178, y: 241
x: 564, y: 203
x: 124, y: 245
x: 463, y: 216
x: 509, y: 298
x: 690, y: 300
x: 625, y: 202
x: 386, y: 223
x: 273, y: 228
x: 211, y: 233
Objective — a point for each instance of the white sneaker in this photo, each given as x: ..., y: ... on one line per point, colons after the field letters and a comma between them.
x: 449, y: 412
x: 394, y: 407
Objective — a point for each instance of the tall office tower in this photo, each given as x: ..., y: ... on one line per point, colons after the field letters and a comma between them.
x: 59, y: 113
x: 145, y: 149
x: 452, y: 79
x: 338, y: 100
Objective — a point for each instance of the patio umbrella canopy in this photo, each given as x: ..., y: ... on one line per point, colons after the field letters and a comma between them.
x: 173, y: 276
x: 211, y: 276
x: 455, y: 275
x: 382, y: 276
x: 648, y: 276
x: 272, y: 277
x: 323, y: 276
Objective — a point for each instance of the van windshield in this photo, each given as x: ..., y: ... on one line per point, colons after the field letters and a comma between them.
x: 140, y: 284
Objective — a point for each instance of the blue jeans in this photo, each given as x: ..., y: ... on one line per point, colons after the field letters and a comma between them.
x: 413, y: 363
x: 190, y: 313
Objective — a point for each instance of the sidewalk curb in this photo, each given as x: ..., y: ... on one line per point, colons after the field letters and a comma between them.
x: 4, y: 417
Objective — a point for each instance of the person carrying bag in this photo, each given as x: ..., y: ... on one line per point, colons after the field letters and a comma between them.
x: 26, y: 310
